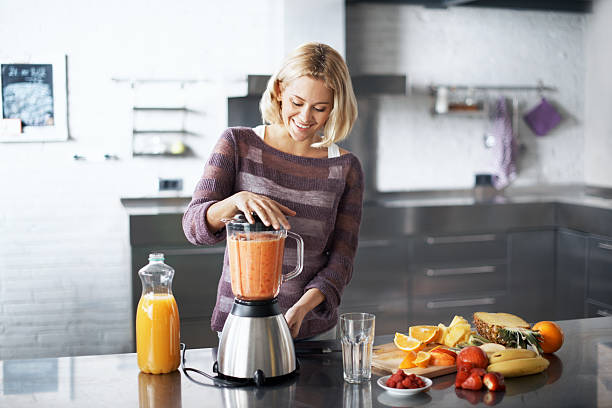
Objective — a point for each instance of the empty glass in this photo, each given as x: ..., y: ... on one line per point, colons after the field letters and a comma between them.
x: 357, y: 336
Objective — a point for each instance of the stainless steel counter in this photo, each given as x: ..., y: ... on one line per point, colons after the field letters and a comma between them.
x: 577, y: 207
x: 579, y: 376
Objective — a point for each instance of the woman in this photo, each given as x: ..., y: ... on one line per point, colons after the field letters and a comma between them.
x: 291, y: 167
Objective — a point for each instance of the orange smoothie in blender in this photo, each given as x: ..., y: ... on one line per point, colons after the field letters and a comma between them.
x: 256, y: 265
x: 157, y: 333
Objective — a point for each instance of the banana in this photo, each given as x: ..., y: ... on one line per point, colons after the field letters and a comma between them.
x: 510, y: 354
x: 520, y: 366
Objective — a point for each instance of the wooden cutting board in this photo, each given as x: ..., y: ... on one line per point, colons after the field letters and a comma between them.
x: 386, y: 358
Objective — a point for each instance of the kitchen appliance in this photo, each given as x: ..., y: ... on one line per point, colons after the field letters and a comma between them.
x: 256, y: 343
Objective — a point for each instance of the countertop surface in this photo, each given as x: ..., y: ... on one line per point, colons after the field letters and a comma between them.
x: 567, y: 194
x: 580, y: 375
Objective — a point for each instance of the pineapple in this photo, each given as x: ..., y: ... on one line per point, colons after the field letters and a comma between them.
x: 506, y: 329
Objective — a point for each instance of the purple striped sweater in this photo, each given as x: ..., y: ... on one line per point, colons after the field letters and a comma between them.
x: 326, y: 194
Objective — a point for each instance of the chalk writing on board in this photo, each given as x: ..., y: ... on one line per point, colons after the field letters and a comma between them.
x: 27, y: 93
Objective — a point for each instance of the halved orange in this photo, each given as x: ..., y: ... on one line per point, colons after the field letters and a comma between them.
x: 407, y: 343
x: 425, y: 334
x: 408, y: 361
x: 422, y: 359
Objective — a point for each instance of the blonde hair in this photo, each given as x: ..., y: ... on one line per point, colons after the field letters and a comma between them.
x: 319, y: 61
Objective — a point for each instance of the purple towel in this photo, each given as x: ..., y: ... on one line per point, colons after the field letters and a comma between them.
x: 504, y: 149
x: 543, y: 118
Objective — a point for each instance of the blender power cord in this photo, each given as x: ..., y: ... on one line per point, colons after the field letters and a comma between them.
x: 217, y: 382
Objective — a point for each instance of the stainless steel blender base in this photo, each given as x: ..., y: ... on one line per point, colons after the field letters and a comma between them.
x: 249, y: 344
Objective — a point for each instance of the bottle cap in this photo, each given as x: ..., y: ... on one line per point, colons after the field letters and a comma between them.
x: 156, y: 256
x: 484, y: 180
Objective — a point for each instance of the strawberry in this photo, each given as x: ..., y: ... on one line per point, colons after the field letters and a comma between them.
x: 494, y: 381
x: 473, y: 382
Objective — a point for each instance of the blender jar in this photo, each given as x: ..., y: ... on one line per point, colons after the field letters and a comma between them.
x: 256, y: 258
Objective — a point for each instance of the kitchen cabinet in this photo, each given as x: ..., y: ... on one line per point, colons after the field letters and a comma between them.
x: 599, y: 272
x: 379, y: 283
x: 457, y: 274
x: 197, y: 271
x: 570, y: 280
x: 532, y: 274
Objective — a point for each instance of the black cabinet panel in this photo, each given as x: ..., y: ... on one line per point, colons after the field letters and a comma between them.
x: 596, y: 309
x: 532, y: 274
x: 599, y: 286
x: 379, y: 283
x: 570, y: 282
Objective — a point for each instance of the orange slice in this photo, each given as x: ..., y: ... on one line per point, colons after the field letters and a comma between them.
x: 407, y: 343
x: 408, y: 361
x: 422, y: 359
x: 425, y: 334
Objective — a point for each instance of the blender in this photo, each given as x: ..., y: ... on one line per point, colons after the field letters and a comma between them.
x: 256, y: 343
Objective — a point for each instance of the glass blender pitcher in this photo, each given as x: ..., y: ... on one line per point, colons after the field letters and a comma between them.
x: 256, y: 258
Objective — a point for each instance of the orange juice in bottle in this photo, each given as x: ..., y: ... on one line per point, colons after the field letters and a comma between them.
x: 157, y: 319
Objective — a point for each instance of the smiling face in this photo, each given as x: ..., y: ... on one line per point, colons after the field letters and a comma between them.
x: 306, y: 104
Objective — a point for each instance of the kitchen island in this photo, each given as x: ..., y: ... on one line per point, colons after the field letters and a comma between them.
x: 580, y: 375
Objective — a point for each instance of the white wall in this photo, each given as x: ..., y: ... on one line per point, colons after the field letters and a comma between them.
x: 598, y: 130
x: 469, y: 46
x: 64, y: 250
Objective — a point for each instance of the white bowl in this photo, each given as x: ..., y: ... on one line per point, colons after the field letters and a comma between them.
x: 406, y: 391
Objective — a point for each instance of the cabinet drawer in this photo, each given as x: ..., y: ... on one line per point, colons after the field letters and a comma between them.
x: 442, y: 309
x: 391, y: 316
x: 596, y: 309
x: 459, y: 248
x: 453, y: 279
x: 379, y: 273
x: 599, y: 270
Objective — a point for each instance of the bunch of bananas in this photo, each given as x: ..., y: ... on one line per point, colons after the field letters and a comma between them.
x: 517, y: 362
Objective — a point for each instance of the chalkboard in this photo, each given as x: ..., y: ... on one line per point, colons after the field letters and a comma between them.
x: 27, y: 93
x: 33, y: 90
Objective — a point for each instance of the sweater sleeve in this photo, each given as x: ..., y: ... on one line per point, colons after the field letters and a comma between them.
x: 333, y: 278
x: 215, y: 185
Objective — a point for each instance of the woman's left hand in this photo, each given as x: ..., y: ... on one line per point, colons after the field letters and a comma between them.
x: 295, y: 316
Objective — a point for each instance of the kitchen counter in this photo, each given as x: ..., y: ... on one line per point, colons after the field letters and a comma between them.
x: 577, y: 207
x: 580, y: 374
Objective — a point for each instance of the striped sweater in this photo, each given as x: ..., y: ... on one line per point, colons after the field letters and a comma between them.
x: 326, y: 194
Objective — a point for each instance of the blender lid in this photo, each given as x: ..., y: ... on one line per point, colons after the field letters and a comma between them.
x: 240, y: 223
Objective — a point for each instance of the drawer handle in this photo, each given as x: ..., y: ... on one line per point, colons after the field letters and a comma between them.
x: 375, y: 243
x: 194, y: 251
x: 604, y: 246
x: 432, y: 273
x: 460, y: 239
x: 604, y: 313
x: 460, y: 303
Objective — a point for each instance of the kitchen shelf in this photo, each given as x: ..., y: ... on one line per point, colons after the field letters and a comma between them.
x: 167, y: 132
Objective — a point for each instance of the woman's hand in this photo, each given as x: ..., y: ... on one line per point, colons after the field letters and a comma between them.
x: 269, y: 211
x: 295, y: 317
x: 295, y: 314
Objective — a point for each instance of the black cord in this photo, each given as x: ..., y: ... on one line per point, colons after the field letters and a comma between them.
x: 217, y: 382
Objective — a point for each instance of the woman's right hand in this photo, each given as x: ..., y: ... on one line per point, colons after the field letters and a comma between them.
x: 269, y: 211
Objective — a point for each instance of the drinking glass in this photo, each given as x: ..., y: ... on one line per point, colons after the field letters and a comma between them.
x: 357, y: 336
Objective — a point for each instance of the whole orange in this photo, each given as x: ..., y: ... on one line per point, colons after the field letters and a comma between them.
x: 552, y: 336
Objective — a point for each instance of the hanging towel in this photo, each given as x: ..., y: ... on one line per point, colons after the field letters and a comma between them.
x: 505, y: 145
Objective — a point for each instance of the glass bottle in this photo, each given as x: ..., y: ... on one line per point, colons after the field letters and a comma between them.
x: 157, y: 319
